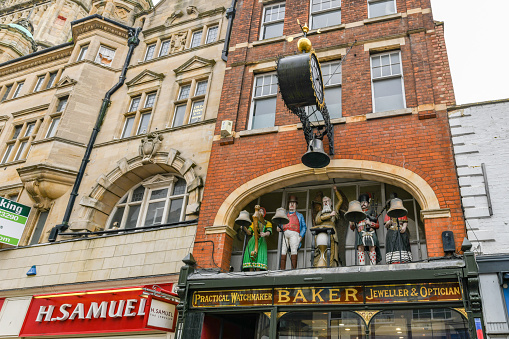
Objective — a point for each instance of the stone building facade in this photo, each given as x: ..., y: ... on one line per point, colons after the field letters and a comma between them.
x: 387, y: 88
x: 480, y: 137
x: 136, y: 209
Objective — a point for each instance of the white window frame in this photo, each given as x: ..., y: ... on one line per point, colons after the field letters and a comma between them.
x: 263, y: 23
x: 253, y: 98
x: 82, y: 53
x: 375, y: 1
x: 109, y: 50
x: 382, y: 78
x: 327, y: 85
x: 138, y: 114
x: 189, y: 100
x: 322, y: 11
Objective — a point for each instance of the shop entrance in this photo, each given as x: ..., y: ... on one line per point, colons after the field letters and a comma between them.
x: 236, y: 326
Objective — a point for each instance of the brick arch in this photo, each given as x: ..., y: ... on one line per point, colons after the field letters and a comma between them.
x: 96, y: 207
x: 338, y: 168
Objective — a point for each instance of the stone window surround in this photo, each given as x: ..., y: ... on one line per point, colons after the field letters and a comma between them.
x: 253, y: 98
x: 374, y: 1
x: 143, y: 94
x: 266, y: 5
x: 45, y: 82
x: 192, y: 81
x: 382, y: 78
x: 20, y: 139
x: 106, y: 46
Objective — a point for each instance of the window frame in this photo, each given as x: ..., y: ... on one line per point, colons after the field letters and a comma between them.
x: 53, y: 126
x: 99, y: 51
x: 19, y: 144
x: 52, y: 79
x: 369, y: 2
x: 39, y: 83
x: 161, y: 48
x: 150, y: 52
x: 19, y: 87
x: 254, y: 98
x: 83, y: 52
x: 388, y: 77
x: 6, y: 92
x: 136, y: 116
x: 193, y: 34
x: 209, y: 29
x: 263, y: 23
x: 189, y: 100
x: 322, y: 11
x: 63, y: 99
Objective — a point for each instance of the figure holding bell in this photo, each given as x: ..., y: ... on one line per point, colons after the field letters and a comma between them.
x: 397, y: 240
x: 255, y: 254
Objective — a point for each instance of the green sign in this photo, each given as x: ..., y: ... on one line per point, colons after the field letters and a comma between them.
x: 13, y: 218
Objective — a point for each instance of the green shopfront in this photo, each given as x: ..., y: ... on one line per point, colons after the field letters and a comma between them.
x: 435, y: 299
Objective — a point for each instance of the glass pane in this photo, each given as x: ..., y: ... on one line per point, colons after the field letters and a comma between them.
x: 150, y: 52
x: 135, y: 103
x: 17, y: 131
x: 20, y: 150
x: 116, y: 221
x: 388, y: 95
x: 62, y: 102
x: 149, y: 102
x: 128, y: 127
x: 105, y: 56
x: 264, y: 113
x: 138, y: 194
x: 321, y: 325
x: 123, y: 201
x: 196, y: 112
x: 195, y: 41
x: 175, y: 210
x: 180, y: 112
x: 326, y: 19
x: 158, y: 194
x: 155, y: 213
x: 201, y: 88
x: 273, y: 30
x: 333, y: 100
x: 377, y: 72
x: 7, y: 153
x: 83, y: 51
x: 30, y: 129
x: 381, y: 8
x: 38, y: 85
x: 132, y: 216
x: 212, y: 34
x: 385, y: 60
x: 18, y: 90
x: 145, y: 118
x: 180, y: 187
x: 386, y: 71
x: 184, y: 92
x: 51, y: 80
x: 6, y: 92
x: 165, y: 47
x: 375, y: 61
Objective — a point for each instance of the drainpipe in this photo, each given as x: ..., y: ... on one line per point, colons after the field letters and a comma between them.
x: 230, y: 14
x: 133, y: 41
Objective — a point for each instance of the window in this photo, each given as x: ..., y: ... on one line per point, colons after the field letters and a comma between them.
x: 212, y: 34
x: 190, y: 108
x: 53, y: 127
x: 196, y: 39
x: 40, y: 81
x: 51, y: 80
x: 62, y: 102
x: 325, y: 13
x: 273, y: 21
x: 157, y: 201
x: 18, y: 89
x: 139, y: 117
x: 83, y: 52
x: 18, y: 146
x: 378, y: 8
x: 105, y: 56
x: 331, y: 74
x: 387, y: 79
x: 165, y: 47
x: 7, y: 90
x: 150, y: 52
x: 263, y: 106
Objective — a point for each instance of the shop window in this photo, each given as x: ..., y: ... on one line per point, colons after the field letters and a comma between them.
x: 273, y: 21
x: 165, y: 47
x: 378, y: 8
x: 105, y: 56
x: 263, y: 105
x: 137, y: 120
x: 150, y: 52
x: 83, y: 53
x: 159, y: 200
x: 196, y: 39
x: 189, y: 106
x: 419, y: 323
x: 19, y: 86
x: 18, y: 146
x: 212, y: 34
x: 6, y: 92
x: 321, y: 325
x: 325, y: 13
x: 387, y: 82
x: 380, y: 194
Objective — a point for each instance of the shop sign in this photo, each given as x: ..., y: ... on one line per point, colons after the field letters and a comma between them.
x: 161, y: 315
x: 331, y: 295
x: 13, y: 218
x: 102, y: 311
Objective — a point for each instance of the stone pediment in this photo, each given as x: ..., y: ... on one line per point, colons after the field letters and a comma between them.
x: 159, y: 181
x: 193, y: 64
x: 144, y: 77
x: 66, y: 81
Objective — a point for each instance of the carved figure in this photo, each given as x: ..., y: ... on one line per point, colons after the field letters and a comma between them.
x: 397, y: 240
x: 365, y: 234
x: 255, y: 255
x: 150, y: 144
x: 293, y: 232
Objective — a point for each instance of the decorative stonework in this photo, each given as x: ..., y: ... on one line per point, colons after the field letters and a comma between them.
x: 97, y: 24
x: 194, y: 63
x: 144, y: 77
x: 33, y: 62
x: 367, y: 315
x: 150, y: 144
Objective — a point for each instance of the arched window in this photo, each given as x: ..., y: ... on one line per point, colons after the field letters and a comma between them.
x: 158, y: 200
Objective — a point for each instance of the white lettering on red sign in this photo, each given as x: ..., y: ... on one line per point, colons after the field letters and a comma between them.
x: 114, y: 309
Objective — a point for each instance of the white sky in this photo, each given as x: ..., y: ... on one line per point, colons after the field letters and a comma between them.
x: 476, y: 36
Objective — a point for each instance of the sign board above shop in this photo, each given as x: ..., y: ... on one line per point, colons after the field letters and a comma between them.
x: 102, y: 311
x: 13, y: 218
x: 330, y: 295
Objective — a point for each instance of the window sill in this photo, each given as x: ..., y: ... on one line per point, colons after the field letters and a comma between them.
x: 259, y: 131
x: 327, y: 29
x: 335, y: 121
x: 383, y: 18
x: 269, y: 41
x: 387, y: 114
x: 5, y: 164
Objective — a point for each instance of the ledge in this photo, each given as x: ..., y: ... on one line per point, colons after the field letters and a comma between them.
x: 383, y: 18
x: 30, y: 110
x: 436, y: 213
x: 62, y: 140
x: 387, y: 114
x: 265, y: 130
x: 5, y: 164
x: 269, y: 41
x: 335, y: 121
x: 327, y: 29
x: 214, y: 229
x: 4, y: 117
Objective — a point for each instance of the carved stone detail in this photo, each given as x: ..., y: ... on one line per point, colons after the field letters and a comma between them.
x: 150, y: 144
x: 42, y: 202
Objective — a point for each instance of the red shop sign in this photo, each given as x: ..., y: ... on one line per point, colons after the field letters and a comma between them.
x: 101, y: 311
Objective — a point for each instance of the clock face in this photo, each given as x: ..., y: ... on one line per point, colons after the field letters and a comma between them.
x: 317, y: 79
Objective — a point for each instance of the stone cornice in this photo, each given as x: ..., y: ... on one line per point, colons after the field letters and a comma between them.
x: 97, y: 24
x: 20, y: 6
x: 29, y: 110
x: 36, y: 61
x: 4, y: 117
x: 62, y: 140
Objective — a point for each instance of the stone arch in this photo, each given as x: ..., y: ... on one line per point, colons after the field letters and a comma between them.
x: 338, y: 168
x: 95, y: 207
